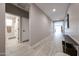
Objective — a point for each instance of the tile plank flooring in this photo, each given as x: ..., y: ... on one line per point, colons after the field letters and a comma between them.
x: 48, y: 47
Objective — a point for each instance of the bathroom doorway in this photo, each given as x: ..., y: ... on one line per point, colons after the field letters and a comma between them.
x: 11, y: 30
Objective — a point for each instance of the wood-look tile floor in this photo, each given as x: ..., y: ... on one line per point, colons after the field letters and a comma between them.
x: 48, y: 47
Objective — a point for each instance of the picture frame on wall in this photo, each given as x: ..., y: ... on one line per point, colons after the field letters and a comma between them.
x: 67, y: 20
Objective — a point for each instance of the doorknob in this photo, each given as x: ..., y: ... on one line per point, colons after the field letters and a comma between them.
x: 23, y: 30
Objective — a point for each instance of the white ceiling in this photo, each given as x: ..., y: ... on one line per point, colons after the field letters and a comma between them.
x: 48, y: 7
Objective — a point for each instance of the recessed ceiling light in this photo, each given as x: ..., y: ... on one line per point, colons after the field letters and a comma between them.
x: 54, y: 10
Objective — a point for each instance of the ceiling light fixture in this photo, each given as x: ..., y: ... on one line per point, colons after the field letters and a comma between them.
x: 54, y: 10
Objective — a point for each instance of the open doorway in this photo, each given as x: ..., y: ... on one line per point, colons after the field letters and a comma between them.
x: 11, y: 30
x: 58, y: 27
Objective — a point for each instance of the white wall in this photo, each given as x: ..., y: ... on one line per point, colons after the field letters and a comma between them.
x: 2, y: 29
x: 73, y: 31
x: 39, y: 25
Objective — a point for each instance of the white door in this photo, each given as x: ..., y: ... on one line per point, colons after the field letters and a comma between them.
x: 25, y: 29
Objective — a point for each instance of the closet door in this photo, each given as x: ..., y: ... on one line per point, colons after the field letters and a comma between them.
x: 25, y: 29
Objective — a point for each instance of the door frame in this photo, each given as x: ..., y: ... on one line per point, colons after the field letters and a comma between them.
x: 21, y: 29
x: 19, y: 26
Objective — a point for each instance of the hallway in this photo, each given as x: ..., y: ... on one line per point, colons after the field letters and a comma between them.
x: 45, y: 39
x: 35, y: 29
